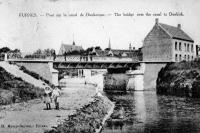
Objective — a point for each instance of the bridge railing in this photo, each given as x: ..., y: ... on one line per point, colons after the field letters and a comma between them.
x: 112, y: 58
x: 90, y: 58
x: 73, y: 58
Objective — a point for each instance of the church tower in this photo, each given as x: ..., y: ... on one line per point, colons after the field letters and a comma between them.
x: 73, y: 41
x: 130, y: 47
x: 109, y: 44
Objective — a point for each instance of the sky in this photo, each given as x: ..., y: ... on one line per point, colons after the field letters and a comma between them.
x: 44, y: 31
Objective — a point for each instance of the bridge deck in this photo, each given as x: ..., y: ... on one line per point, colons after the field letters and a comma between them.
x: 96, y: 63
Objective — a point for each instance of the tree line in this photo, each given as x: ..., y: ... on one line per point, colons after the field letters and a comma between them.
x: 39, y: 53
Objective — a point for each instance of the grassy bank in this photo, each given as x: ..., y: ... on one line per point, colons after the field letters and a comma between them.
x: 181, y: 79
x: 86, y: 119
x: 14, y: 89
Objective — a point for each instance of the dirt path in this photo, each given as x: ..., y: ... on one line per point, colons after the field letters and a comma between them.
x: 31, y: 117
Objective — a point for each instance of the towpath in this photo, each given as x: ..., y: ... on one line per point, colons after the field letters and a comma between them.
x: 30, y: 117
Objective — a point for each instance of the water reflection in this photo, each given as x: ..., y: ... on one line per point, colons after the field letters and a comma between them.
x: 147, y: 112
x: 140, y: 109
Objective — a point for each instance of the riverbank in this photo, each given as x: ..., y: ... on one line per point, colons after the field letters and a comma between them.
x: 89, y: 118
x: 76, y: 102
x: 31, y: 116
x: 180, y: 79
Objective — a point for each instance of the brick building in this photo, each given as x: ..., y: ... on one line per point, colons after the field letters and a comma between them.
x: 165, y: 43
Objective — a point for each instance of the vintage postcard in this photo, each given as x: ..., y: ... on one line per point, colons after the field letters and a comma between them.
x: 99, y: 66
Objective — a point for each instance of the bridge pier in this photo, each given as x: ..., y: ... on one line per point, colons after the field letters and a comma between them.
x: 54, y: 74
x: 136, y: 80
x: 84, y: 72
x: 87, y: 73
x: 151, y: 73
x: 80, y: 73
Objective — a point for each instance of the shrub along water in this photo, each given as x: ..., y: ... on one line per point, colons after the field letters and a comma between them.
x: 181, y: 79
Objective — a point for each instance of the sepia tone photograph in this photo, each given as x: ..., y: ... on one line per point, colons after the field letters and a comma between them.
x: 99, y: 66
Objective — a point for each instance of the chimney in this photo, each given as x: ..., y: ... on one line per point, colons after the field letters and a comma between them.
x: 156, y: 20
x: 179, y: 26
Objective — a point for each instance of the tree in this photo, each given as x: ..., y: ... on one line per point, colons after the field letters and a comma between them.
x: 107, y: 49
x: 98, y: 48
x: 89, y: 49
x: 38, y: 52
x: 16, y: 51
x: 52, y: 51
x: 5, y: 50
x: 47, y: 52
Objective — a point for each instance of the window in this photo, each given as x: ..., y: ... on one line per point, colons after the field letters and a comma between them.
x: 180, y: 46
x: 188, y: 47
x: 185, y: 57
x: 176, y: 57
x: 192, y: 50
x: 176, y: 46
x: 185, y: 47
x: 180, y: 58
x: 188, y: 57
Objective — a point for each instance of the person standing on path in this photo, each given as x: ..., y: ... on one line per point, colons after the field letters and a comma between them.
x: 54, y: 55
x: 65, y: 55
x: 55, y: 95
x: 47, y: 96
x: 47, y: 100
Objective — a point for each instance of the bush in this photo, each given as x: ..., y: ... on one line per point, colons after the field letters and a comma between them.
x: 181, y: 79
x: 14, y: 89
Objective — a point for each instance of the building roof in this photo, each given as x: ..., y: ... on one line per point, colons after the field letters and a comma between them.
x: 101, y: 53
x: 176, y: 33
x: 72, y: 47
x: 69, y: 47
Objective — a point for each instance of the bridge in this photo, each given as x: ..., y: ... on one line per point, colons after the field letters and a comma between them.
x: 49, y: 68
x: 83, y: 62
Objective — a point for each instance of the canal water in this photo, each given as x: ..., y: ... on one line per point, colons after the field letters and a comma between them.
x: 147, y: 112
